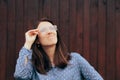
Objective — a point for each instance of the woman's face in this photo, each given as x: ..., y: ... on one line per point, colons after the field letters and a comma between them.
x: 47, y: 34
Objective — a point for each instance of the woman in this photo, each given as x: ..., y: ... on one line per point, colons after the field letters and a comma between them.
x: 45, y: 57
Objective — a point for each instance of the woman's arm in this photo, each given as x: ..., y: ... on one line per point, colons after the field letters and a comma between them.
x: 88, y: 72
x: 24, y: 68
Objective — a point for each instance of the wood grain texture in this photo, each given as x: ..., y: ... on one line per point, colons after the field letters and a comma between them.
x: 3, y: 40
x: 89, y: 27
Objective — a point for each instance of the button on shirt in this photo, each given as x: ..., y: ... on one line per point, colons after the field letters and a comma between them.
x: 77, y: 69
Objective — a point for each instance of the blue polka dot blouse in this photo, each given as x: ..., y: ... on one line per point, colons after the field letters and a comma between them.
x: 77, y: 69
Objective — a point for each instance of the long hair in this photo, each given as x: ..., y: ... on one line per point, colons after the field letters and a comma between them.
x: 40, y: 59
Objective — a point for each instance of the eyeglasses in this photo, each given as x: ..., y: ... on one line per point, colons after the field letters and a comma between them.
x: 45, y: 29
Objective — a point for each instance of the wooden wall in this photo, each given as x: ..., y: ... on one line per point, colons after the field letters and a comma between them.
x: 90, y: 27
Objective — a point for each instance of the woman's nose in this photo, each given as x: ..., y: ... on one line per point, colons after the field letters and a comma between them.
x: 49, y: 31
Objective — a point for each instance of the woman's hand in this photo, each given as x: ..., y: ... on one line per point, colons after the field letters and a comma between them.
x: 30, y: 37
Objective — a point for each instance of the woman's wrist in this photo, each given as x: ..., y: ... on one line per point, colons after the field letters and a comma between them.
x: 27, y: 45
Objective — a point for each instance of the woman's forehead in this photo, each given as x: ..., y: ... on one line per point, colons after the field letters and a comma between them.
x: 44, y: 24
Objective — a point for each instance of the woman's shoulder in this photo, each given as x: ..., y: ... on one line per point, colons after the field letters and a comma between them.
x: 75, y: 55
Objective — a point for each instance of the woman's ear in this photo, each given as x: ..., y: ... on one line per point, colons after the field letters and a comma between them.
x: 38, y: 45
x: 37, y: 41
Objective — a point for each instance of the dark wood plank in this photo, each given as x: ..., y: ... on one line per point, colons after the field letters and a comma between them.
x: 40, y: 9
x: 31, y: 13
x: 46, y: 11
x: 79, y: 25
x: 64, y: 20
x: 72, y: 25
x: 55, y: 11
x: 93, y: 32
x: 25, y: 15
x: 110, y: 41
x: 11, y: 39
x: 101, y: 37
x: 86, y: 35
x: 19, y: 25
x: 3, y: 40
x: 117, y: 39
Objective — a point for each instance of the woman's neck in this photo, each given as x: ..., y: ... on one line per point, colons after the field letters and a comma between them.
x: 50, y: 50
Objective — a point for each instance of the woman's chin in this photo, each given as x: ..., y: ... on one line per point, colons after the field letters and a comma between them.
x: 49, y: 44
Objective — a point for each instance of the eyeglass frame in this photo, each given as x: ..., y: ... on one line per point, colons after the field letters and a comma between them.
x: 51, y: 28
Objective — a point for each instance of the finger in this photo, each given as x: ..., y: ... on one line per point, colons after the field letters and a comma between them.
x: 36, y: 29
x: 33, y: 31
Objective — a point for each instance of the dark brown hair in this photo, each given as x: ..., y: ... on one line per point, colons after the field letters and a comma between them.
x: 40, y: 59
